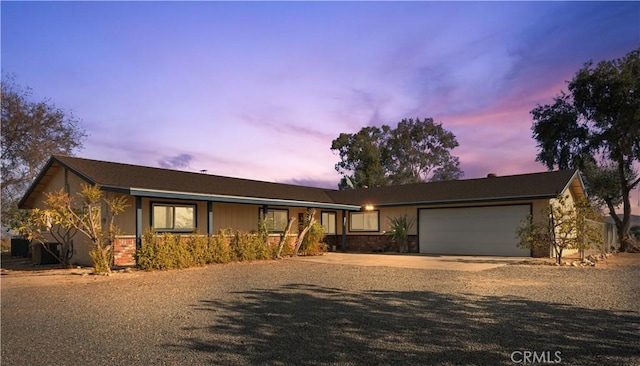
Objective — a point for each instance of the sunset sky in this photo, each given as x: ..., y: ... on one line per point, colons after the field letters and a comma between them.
x: 259, y: 90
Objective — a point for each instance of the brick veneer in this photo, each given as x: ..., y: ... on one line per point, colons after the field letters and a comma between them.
x: 124, y: 251
x: 370, y: 243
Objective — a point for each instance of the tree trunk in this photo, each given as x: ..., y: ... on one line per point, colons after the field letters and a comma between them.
x: 622, y: 226
x: 304, y: 233
x: 283, y: 237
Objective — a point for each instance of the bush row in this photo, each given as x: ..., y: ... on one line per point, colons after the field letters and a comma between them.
x: 169, y: 251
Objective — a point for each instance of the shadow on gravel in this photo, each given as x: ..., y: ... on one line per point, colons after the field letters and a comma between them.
x: 303, y: 324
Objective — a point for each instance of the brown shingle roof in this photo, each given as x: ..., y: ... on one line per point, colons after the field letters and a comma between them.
x: 524, y: 186
x: 134, y: 178
x: 125, y: 176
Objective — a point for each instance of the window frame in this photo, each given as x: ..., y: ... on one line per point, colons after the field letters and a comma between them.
x: 269, y: 211
x: 376, y: 230
x: 335, y: 222
x: 173, y: 205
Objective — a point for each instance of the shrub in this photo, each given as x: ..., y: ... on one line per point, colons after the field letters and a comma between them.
x: 168, y: 251
x: 287, y: 248
x: 312, y: 243
x: 200, y: 252
x: 219, y: 249
x: 101, y: 259
x: 400, y: 227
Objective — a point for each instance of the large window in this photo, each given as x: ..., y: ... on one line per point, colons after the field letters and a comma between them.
x: 364, y: 221
x: 276, y: 220
x: 328, y: 221
x: 173, y: 217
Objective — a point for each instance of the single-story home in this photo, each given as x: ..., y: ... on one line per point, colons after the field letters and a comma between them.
x: 462, y: 217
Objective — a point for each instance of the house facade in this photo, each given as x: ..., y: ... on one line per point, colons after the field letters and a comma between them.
x: 463, y: 217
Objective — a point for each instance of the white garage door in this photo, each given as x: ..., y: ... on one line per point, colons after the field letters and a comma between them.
x: 472, y: 230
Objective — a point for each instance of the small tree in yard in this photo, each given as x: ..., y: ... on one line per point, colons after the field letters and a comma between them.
x: 308, y: 223
x: 562, y: 226
x: 400, y: 227
x: 63, y: 219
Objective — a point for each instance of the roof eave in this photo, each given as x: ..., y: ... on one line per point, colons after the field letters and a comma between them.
x: 43, y: 172
x: 469, y: 200
x: 237, y: 199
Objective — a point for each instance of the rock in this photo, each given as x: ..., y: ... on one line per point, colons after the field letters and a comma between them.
x: 574, y: 264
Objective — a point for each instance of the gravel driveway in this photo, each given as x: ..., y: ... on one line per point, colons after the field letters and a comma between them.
x: 302, y: 313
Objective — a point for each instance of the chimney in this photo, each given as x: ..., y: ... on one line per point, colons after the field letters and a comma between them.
x: 491, y: 175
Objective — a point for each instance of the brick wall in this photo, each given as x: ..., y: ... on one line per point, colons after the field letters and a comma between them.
x: 369, y: 243
x: 124, y: 251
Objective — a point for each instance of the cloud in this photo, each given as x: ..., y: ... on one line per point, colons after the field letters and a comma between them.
x: 278, y: 121
x: 311, y: 182
x: 180, y: 161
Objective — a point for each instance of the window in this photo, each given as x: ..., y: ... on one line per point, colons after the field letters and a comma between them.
x: 276, y: 220
x: 328, y: 221
x: 171, y: 217
x: 364, y: 221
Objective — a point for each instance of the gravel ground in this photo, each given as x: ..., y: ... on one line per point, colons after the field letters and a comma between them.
x: 293, y: 312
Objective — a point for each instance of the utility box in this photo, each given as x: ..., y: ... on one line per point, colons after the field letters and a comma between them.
x: 20, y: 247
x: 42, y: 256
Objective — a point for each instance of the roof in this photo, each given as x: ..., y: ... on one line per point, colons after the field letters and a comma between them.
x: 503, y: 188
x: 165, y: 183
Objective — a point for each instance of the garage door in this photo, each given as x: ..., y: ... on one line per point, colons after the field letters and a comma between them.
x: 472, y: 230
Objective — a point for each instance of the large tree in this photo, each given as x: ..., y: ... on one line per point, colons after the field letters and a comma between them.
x: 361, y: 157
x: 31, y: 132
x: 420, y: 151
x: 596, y: 128
x: 414, y: 151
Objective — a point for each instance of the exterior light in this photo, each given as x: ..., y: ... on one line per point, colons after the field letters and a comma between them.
x: 368, y: 207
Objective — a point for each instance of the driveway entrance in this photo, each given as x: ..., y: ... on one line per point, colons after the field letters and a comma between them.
x: 419, y: 261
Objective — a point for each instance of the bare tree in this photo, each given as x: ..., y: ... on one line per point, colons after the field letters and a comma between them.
x: 31, y: 133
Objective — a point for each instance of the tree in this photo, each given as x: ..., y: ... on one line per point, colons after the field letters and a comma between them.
x: 596, y: 128
x: 420, y: 151
x: 562, y: 226
x: 309, y: 220
x: 31, y: 133
x: 62, y: 218
x: 361, y: 156
x: 414, y: 151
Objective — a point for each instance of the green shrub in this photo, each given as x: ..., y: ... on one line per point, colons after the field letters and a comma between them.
x: 287, y: 248
x: 169, y: 251
x: 219, y: 248
x: 312, y: 243
x: 248, y: 247
x: 258, y: 247
x: 200, y: 252
x: 101, y: 260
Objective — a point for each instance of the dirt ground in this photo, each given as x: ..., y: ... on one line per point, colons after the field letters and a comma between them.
x: 20, y: 272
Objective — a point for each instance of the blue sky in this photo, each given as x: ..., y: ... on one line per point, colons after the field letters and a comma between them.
x: 259, y: 90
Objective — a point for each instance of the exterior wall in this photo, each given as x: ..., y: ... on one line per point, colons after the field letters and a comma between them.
x: 81, y: 245
x: 233, y: 216
x: 126, y: 220
x: 386, y: 214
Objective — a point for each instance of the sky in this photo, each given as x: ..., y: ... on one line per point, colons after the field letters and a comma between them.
x: 259, y: 90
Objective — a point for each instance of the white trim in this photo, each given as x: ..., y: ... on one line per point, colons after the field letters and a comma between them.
x: 236, y: 199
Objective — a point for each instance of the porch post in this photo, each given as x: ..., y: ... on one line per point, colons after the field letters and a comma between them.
x: 210, y: 218
x: 138, y: 222
x: 344, y: 230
